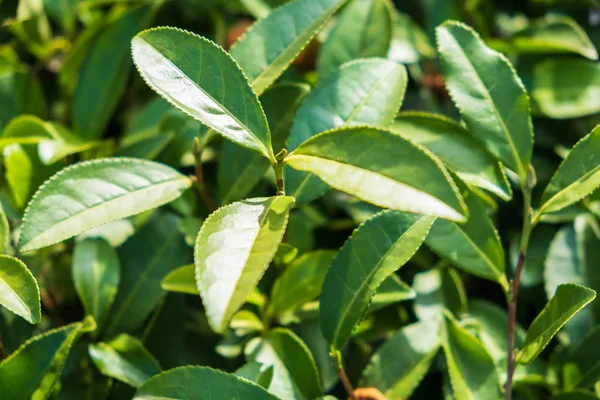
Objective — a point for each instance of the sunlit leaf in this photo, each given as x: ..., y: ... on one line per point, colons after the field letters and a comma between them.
x: 19, y: 290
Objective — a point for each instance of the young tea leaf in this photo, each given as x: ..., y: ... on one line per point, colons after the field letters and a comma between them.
x: 92, y: 193
x: 233, y: 249
x: 375, y: 250
x: 273, y: 43
x: 200, y: 383
x: 577, y: 176
x: 202, y: 80
x: 497, y: 114
x: 19, y: 290
x: 181, y: 280
x: 362, y: 92
x: 382, y: 168
x: 567, y: 301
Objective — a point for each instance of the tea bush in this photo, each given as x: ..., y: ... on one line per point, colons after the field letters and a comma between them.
x: 345, y: 199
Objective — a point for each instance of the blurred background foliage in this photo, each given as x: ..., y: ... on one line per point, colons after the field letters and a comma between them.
x: 66, y: 75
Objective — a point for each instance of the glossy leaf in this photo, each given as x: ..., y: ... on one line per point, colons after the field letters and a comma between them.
x: 125, y: 359
x: 19, y: 290
x: 241, y: 170
x: 199, y: 383
x: 577, y: 176
x: 34, y: 370
x: 567, y: 301
x: 363, y: 29
x: 398, y: 377
x: 104, y: 72
x: 566, y: 87
x: 295, y: 374
x: 300, y: 282
x: 472, y: 371
x: 273, y: 43
x: 257, y: 373
x: 96, y: 274
x: 181, y: 280
x: 362, y: 92
x: 182, y: 67
x: 474, y: 247
x: 375, y: 250
x: 93, y: 193
x: 498, y: 115
x: 146, y: 258
x: 382, y: 168
x: 454, y: 145
x: 233, y: 249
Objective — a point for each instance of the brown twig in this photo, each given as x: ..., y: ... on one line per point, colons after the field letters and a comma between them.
x: 346, y: 383
x: 199, y: 178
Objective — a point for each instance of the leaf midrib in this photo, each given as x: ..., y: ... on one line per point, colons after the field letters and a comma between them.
x: 474, y: 245
x: 17, y: 297
x: 592, y: 172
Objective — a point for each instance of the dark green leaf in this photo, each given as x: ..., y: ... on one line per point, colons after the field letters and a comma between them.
x: 437, y: 290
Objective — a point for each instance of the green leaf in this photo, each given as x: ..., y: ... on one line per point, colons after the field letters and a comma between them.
x: 363, y: 29
x: 146, y: 146
x: 566, y: 87
x: 104, y: 73
x: 553, y: 34
x: 375, y: 250
x: 200, y: 383
x: 234, y: 248
x: 96, y: 274
x: 257, y: 373
x: 295, y: 374
x: 202, y: 80
x: 33, y: 371
x: 472, y: 371
x: 382, y: 168
x: 300, y: 282
x: 92, y: 193
x: 5, y: 238
x: 439, y: 289
x: 181, y: 280
x: 472, y: 71
x: 586, y: 356
x: 273, y: 43
x: 409, y: 41
x: 474, y: 247
x: 567, y: 301
x: 454, y: 145
x: 146, y: 258
x: 125, y: 359
x: 19, y: 290
x: 577, y: 177
x: 398, y: 377
x: 360, y: 92
x: 240, y: 170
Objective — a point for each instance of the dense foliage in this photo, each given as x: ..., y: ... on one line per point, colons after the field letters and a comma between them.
x: 347, y: 198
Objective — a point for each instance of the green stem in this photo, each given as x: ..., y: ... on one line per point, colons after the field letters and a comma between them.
x: 278, y: 167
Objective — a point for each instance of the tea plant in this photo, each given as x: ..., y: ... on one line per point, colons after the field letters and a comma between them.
x: 285, y: 266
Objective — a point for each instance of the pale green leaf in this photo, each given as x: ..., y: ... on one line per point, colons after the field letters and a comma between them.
x: 200, y: 383
x: 240, y: 170
x: 566, y: 87
x: 146, y: 258
x: 233, y: 249
x: 257, y: 373
x: 577, y: 177
x: 409, y: 42
x: 96, y: 274
x: 496, y: 113
x: 398, y: 377
x: 19, y: 290
x: 295, y: 375
x: 360, y: 92
x: 381, y: 168
x: 125, y: 359
x: 363, y: 29
x: 567, y: 301
x: 273, y: 43
x: 5, y: 238
x: 300, y: 282
x: 375, y: 250
x: 472, y: 371
x: 474, y: 247
x: 454, y: 145
x: 181, y: 280
x: 202, y: 80
x: 105, y: 71
x: 92, y: 193
x: 34, y: 370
